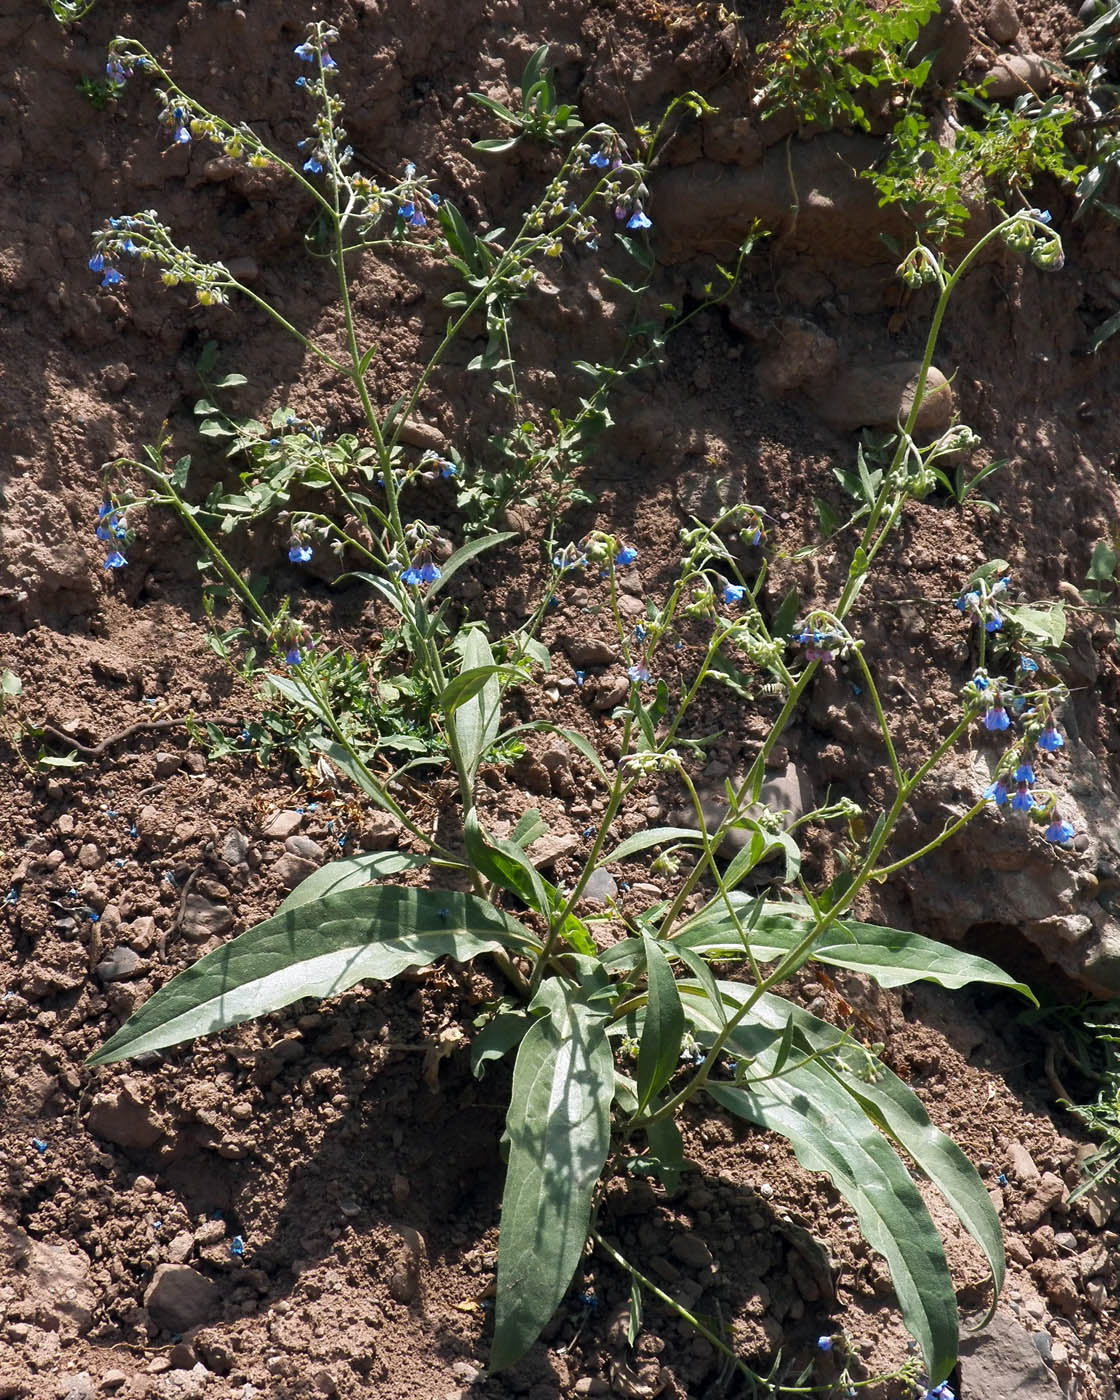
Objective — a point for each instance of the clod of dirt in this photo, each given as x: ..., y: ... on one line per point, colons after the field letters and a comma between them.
x: 1001, y: 20
x: 1015, y: 73
x: 880, y: 397
x: 203, y: 918
x: 123, y: 1116
x: 55, y: 1283
x: 179, y: 1297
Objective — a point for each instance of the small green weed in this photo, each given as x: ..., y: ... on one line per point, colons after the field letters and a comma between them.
x: 540, y: 115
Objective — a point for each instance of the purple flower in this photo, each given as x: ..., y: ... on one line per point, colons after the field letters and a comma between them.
x: 1060, y: 832
x: 1023, y: 800
x: 298, y: 552
x: 996, y: 718
x: 1024, y: 773
x: 116, y: 70
x: 819, y: 654
x: 116, y: 560
x: 313, y: 165
x: 626, y: 555
x: 996, y: 792
x: 638, y: 673
x: 733, y: 592
x: 328, y: 61
x: 1050, y: 739
x: 639, y: 220
x: 417, y: 220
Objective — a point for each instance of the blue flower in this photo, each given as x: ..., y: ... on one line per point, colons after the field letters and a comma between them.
x: 292, y: 656
x: 996, y: 718
x: 417, y: 220
x: 406, y: 211
x: 994, y: 623
x: 429, y: 573
x: 980, y: 681
x: 301, y: 81
x: 966, y: 601
x: 1001, y: 586
x: 112, y: 277
x: 581, y: 676
x: 97, y: 262
x: 314, y: 165
x: 1060, y: 832
x: 639, y: 220
x: 328, y: 61
x: 940, y: 1392
x: 1050, y: 739
x: 638, y: 673
x: 447, y: 470
x: 1024, y: 773
x: 733, y: 592
x: 130, y: 248
x: 182, y: 135
x: 116, y: 560
x: 626, y: 555
x: 996, y: 792
x: 824, y: 1343
x: 305, y: 52
x: 237, y: 1246
x: 39, y: 1145
x: 298, y: 552
x: 1023, y: 800
x: 435, y: 198
x: 599, y: 160
x: 411, y: 577
x: 409, y: 170
x: 1027, y: 666
x: 116, y: 70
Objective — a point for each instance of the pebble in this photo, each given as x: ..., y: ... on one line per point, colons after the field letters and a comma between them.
x: 1021, y: 1164
x: 179, y: 1297
x: 143, y: 1185
x: 291, y: 870
x: 1013, y: 74
x: 167, y: 765
x: 587, y: 651
x: 203, y: 918
x: 90, y: 857
x: 1001, y: 20
x: 122, y: 963
x: 235, y: 847
x: 123, y: 1116
x: 600, y: 887
x: 283, y: 824
x: 305, y: 848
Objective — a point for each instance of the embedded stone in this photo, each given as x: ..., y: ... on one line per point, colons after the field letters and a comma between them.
x: 881, y: 397
x: 179, y: 1297
x: 203, y: 918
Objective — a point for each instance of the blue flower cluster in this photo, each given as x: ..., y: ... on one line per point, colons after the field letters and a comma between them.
x: 979, y: 604
x: 420, y: 573
x: 112, y: 529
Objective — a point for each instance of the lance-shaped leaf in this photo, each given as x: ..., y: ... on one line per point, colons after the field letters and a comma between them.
x: 314, y: 950
x: 351, y: 873
x: 891, y: 956
x: 559, y: 1133
x: 476, y: 720
x: 663, y: 1027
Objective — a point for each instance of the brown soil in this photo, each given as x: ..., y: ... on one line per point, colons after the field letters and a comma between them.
x: 347, y: 1144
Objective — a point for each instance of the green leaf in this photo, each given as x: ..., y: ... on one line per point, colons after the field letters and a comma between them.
x: 477, y: 718
x: 666, y: 1148
x: 663, y: 1026
x: 496, y: 144
x: 314, y: 950
x: 891, y: 957
x: 496, y: 108
x: 497, y: 1038
x: 787, y: 614
x: 652, y: 836
x: 10, y: 683
x: 350, y: 873
x: 469, y: 683
x: 1102, y: 566
x: 464, y: 554
x: 559, y: 1134
x: 1045, y: 626
x: 830, y: 1133
x: 530, y: 826
x: 230, y: 381
x: 179, y: 473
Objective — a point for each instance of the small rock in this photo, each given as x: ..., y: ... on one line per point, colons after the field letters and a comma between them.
x: 167, y: 765
x: 881, y: 397
x: 325, y: 1383
x: 56, y: 1286
x: 416, y: 433
x: 76, y: 1387
x: 404, y: 1276
x: 181, y: 1248
x: 601, y: 887
x: 305, y: 848
x: 291, y: 870
x: 587, y: 651
x: 610, y: 691
x: 1013, y: 74
x: 1001, y: 20
x: 1021, y: 1164
x: 381, y: 831
x: 281, y: 825
x: 179, y: 1297
x: 692, y: 1251
x: 122, y: 963
x: 90, y: 857
x: 235, y: 847
x: 203, y: 918
x: 182, y: 1356
x: 124, y: 1117
x: 547, y: 850
x: 804, y: 354
x: 143, y: 1185
x: 113, y: 1380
